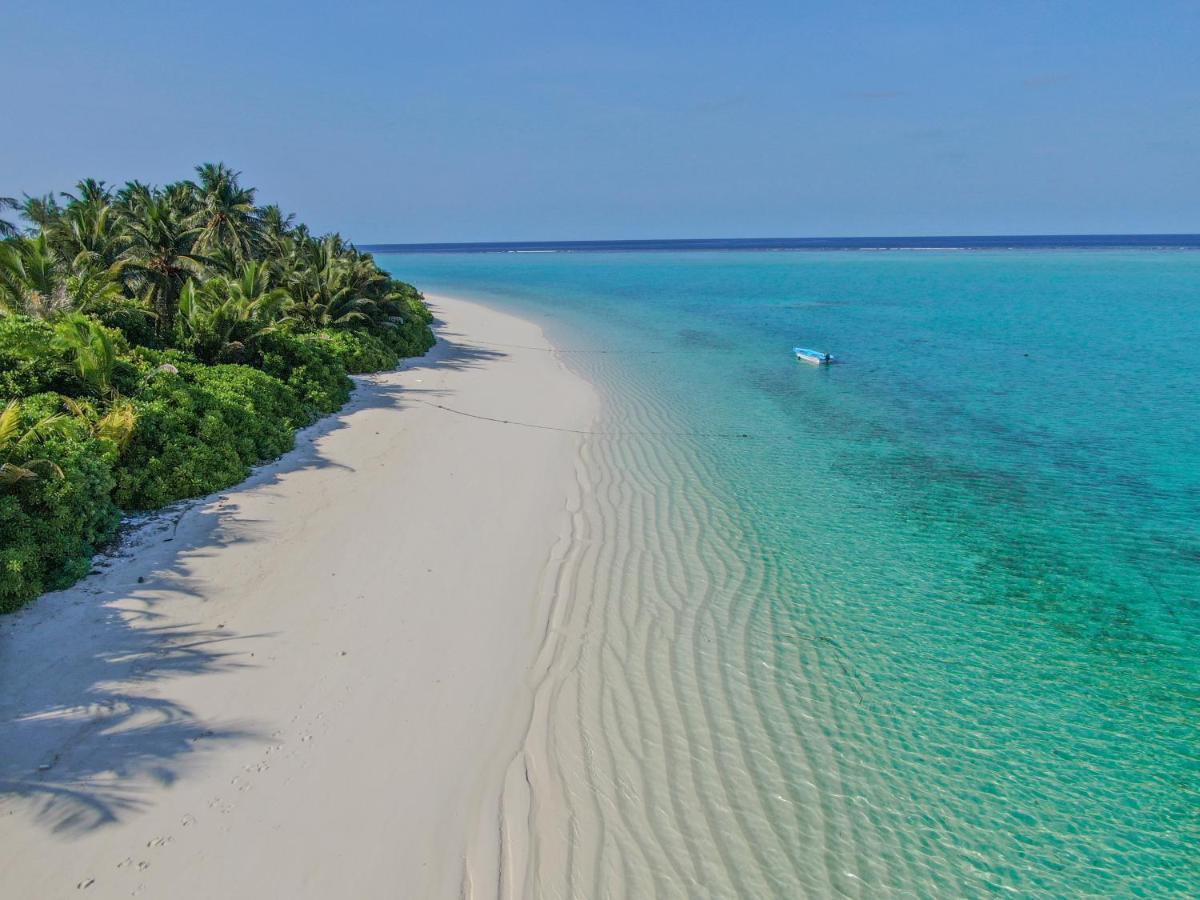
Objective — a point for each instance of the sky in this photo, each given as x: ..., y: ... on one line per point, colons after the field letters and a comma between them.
x: 470, y: 121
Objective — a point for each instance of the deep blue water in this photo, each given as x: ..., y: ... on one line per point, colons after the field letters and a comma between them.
x: 952, y: 242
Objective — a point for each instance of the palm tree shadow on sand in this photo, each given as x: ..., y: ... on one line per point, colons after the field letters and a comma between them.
x: 84, y: 735
x: 83, y: 731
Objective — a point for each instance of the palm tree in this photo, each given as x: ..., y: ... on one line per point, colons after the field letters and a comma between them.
x: 92, y: 350
x: 15, y: 464
x: 133, y: 197
x: 90, y: 191
x: 226, y: 215
x: 41, y: 211
x: 161, y: 250
x: 221, y: 314
x: 254, y: 284
x: 7, y: 228
x: 334, y: 285
x: 32, y: 282
x: 330, y: 296
x: 274, y: 222
x: 36, y: 281
x: 224, y: 261
x: 89, y: 231
x: 273, y: 237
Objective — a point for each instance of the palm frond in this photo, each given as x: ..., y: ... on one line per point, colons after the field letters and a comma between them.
x: 11, y: 473
x: 10, y: 421
x: 118, y: 424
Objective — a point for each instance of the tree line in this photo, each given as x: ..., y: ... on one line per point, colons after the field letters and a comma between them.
x: 156, y: 342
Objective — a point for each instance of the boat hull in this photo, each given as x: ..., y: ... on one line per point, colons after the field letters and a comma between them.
x: 812, y: 357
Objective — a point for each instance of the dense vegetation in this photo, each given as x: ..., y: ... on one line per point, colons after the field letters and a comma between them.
x: 157, y: 342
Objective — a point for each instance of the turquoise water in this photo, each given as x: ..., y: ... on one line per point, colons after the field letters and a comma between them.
x: 925, y: 622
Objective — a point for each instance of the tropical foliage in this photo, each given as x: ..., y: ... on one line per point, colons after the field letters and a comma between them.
x: 7, y: 228
x: 156, y: 342
x: 15, y: 442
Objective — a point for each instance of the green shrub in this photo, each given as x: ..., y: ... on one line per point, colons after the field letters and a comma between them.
x: 416, y: 335
x: 131, y: 317
x: 263, y: 411
x: 145, y: 359
x: 28, y: 363
x: 200, y: 430
x: 33, y: 361
x: 359, y: 352
x: 306, y: 365
x: 50, y: 527
x: 412, y: 335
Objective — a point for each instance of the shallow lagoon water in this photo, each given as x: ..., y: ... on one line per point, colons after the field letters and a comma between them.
x: 925, y: 622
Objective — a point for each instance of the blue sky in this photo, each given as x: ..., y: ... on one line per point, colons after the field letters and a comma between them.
x: 471, y: 121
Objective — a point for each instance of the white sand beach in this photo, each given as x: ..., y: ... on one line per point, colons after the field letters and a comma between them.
x: 309, y: 685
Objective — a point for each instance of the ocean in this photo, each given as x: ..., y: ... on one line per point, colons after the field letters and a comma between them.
x: 924, y: 622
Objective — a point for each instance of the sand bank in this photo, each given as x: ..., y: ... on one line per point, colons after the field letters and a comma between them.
x: 310, y: 685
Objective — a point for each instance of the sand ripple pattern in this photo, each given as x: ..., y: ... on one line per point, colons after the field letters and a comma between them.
x: 666, y: 685
x: 720, y: 712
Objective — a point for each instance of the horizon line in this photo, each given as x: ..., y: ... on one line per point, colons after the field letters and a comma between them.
x: 868, y: 242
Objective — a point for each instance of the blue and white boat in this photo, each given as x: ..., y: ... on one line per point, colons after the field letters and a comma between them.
x: 815, y: 357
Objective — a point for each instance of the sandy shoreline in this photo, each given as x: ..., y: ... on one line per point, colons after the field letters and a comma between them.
x: 311, y: 684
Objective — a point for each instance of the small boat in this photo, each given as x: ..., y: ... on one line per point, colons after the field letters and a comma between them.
x: 815, y: 357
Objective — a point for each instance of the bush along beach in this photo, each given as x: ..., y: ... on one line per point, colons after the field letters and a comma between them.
x: 155, y: 343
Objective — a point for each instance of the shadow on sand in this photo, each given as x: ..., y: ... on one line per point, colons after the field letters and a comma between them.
x: 83, y: 731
